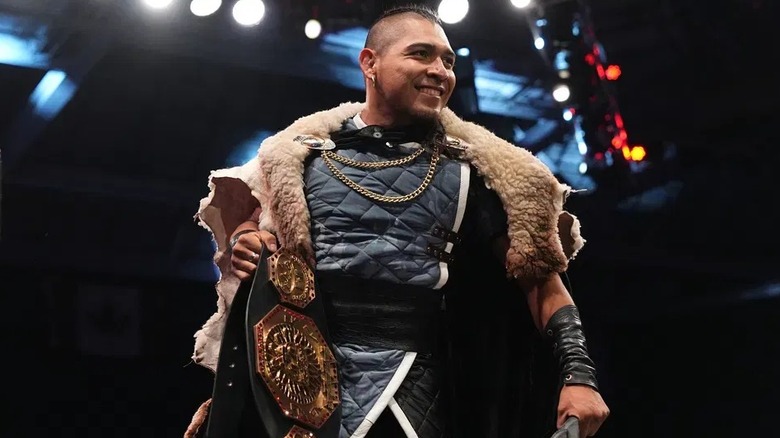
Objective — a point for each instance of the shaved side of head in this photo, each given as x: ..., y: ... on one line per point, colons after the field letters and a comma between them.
x: 386, y: 28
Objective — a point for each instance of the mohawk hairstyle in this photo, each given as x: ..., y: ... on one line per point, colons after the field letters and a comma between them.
x: 375, y: 39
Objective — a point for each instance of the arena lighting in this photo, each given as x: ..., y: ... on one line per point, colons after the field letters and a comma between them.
x: 561, y: 93
x: 158, y: 4
x: 249, y: 12
x: 520, y: 4
x: 312, y: 29
x: 613, y: 72
x: 203, y: 8
x: 638, y: 153
x: 634, y: 153
x: 453, y: 11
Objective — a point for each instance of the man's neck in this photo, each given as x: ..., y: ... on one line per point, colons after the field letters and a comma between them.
x: 374, y: 118
x: 385, y: 119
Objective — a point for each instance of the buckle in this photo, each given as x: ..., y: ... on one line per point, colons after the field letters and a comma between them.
x: 292, y: 277
x: 297, y: 366
x: 439, y: 253
x: 449, y: 236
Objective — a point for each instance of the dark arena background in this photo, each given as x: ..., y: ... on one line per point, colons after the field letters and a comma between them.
x: 113, y: 113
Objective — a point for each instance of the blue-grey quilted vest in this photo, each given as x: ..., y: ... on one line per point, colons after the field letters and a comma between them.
x: 359, y: 237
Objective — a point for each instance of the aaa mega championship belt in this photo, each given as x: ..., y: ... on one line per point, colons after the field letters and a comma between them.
x: 290, y: 352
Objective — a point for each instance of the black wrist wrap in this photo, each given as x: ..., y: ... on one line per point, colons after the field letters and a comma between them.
x: 564, y: 330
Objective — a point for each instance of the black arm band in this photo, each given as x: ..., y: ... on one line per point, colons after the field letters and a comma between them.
x: 565, y: 331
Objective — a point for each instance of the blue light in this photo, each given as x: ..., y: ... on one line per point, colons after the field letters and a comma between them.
x: 247, y: 150
x: 348, y: 42
x: 463, y: 51
x: 53, y: 92
x: 21, y: 52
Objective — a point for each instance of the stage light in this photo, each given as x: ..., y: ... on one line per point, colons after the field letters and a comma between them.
x: 583, y: 168
x: 203, y: 8
x: 638, y: 153
x: 248, y: 12
x: 520, y: 4
x: 613, y: 72
x: 158, y: 4
x: 463, y: 51
x: 312, y: 29
x: 453, y: 11
x: 561, y: 93
x: 539, y: 43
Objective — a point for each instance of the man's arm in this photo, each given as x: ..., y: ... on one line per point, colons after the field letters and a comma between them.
x: 555, y: 316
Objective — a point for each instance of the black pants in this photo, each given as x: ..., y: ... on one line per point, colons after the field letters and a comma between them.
x: 386, y: 426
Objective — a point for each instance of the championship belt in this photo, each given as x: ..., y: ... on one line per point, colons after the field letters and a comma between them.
x: 289, y: 351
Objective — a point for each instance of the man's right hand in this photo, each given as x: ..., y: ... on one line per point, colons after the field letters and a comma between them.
x: 247, y: 251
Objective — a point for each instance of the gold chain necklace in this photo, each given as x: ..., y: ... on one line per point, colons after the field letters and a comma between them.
x: 371, y: 164
x: 328, y: 157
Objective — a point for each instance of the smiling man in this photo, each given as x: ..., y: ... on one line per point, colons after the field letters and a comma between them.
x: 387, y: 221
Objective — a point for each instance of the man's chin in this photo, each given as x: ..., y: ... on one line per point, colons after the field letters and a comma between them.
x: 426, y: 113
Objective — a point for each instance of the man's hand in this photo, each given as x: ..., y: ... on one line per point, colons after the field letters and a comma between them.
x: 584, y: 403
x: 247, y: 251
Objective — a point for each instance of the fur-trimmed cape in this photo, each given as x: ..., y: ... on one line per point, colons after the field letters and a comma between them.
x: 532, y: 197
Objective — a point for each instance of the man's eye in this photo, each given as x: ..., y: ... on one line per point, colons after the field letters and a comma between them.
x: 422, y: 53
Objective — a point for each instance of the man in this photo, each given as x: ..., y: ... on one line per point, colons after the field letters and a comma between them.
x: 402, y: 212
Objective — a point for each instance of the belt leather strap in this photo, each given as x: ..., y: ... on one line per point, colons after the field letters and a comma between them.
x: 237, y: 377
x: 231, y: 384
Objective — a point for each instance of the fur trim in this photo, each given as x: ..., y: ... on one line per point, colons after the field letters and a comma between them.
x: 531, y: 195
x: 281, y: 163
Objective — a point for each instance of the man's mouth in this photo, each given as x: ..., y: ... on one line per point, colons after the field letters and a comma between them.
x: 432, y: 91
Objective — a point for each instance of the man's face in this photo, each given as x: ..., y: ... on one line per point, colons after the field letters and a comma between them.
x: 414, y: 76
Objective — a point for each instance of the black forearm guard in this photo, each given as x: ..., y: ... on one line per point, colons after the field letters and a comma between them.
x: 564, y: 329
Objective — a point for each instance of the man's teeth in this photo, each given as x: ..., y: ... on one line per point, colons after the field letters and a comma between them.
x: 431, y: 91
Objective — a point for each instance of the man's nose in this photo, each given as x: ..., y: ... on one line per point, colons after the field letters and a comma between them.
x: 438, y: 70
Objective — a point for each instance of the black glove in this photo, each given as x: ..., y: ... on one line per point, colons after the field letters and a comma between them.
x: 564, y: 329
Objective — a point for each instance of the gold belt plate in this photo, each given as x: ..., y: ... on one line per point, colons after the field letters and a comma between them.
x: 291, y: 277
x: 297, y: 366
x: 299, y: 432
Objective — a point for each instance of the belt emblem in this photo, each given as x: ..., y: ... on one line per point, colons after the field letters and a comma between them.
x: 292, y: 277
x: 297, y: 365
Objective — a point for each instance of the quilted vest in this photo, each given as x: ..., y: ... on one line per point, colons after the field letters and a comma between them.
x: 359, y: 237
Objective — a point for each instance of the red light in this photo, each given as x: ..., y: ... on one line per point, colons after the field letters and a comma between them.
x: 613, y: 72
x: 618, y: 120
x: 599, y: 156
x: 590, y: 59
x: 600, y: 71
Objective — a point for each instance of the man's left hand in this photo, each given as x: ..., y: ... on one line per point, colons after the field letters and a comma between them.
x: 585, y: 403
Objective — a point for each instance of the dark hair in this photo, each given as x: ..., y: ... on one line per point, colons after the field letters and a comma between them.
x: 374, y: 40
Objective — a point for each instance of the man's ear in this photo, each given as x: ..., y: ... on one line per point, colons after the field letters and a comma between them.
x: 367, y: 61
